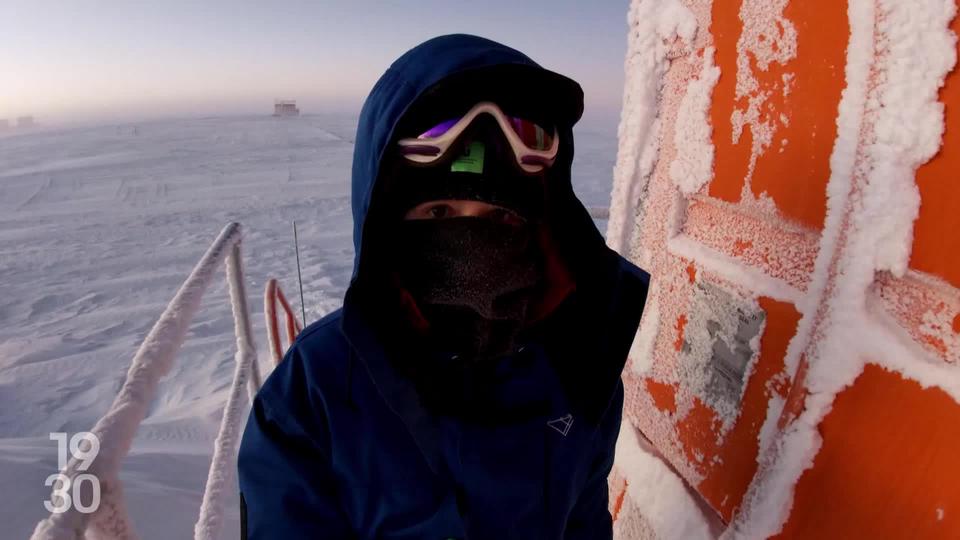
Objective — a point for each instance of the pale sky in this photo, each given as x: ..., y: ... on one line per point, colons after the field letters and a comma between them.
x: 76, y: 60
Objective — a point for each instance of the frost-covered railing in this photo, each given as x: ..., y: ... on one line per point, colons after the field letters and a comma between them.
x: 599, y: 212
x: 116, y: 429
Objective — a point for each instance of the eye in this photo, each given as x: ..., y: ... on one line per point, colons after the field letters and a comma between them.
x: 437, y: 211
x: 431, y: 210
x: 502, y: 215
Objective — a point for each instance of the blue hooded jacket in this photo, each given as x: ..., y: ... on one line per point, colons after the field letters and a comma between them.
x: 338, y: 444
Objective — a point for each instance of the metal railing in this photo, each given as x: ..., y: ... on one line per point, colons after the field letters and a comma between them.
x: 116, y: 429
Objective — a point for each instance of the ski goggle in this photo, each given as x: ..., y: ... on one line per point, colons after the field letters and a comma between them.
x: 534, y: 147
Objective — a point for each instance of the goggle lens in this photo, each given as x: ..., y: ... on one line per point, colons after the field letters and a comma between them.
x: 533, y: 136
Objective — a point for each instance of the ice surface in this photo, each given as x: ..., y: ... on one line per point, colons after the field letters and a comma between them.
x: 767, y: 37
x: 97, y: 232
x: 733, y: 270
x: 656, y: 28
x: 668, y: 508
x: 692, y: 167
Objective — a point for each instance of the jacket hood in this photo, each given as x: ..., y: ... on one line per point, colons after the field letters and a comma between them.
x: 507, y: 74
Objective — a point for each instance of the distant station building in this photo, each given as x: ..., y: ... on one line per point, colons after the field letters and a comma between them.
x: 285, y: 107
x: 25, y: 122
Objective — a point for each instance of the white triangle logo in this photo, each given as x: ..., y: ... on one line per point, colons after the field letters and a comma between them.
x: 562, y: 424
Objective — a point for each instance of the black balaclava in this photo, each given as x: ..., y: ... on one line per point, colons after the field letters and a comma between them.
x: 472, y: 278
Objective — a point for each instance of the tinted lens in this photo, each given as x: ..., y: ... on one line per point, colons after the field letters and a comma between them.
x: 532, y: 135
x: 438, y: 129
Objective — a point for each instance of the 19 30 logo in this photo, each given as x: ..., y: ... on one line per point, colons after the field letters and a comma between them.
x: 71, y: 492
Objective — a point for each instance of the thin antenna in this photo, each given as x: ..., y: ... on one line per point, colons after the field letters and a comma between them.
x: 296, y: 247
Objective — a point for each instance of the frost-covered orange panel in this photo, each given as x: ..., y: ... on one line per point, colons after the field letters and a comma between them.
x: 764, y: 306
x: 888, y: 465
x: 936, y: 241
x: 729, y: 462
x: 775, y: 121
x: 927, y: 309
x: 781, y: 250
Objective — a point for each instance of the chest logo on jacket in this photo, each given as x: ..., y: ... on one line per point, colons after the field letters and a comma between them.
x: 562, y: 424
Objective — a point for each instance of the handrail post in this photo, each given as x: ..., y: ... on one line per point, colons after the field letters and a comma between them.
x: 246, y: 373
x: 117, y: 428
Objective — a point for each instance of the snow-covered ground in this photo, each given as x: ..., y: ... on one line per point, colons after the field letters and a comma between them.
x: 98, y: 228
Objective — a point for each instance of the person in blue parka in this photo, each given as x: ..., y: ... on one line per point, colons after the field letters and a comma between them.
x: 470, y: 386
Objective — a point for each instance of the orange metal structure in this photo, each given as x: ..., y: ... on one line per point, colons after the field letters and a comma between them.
x: 886, y: 459
x: 272, y: 295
